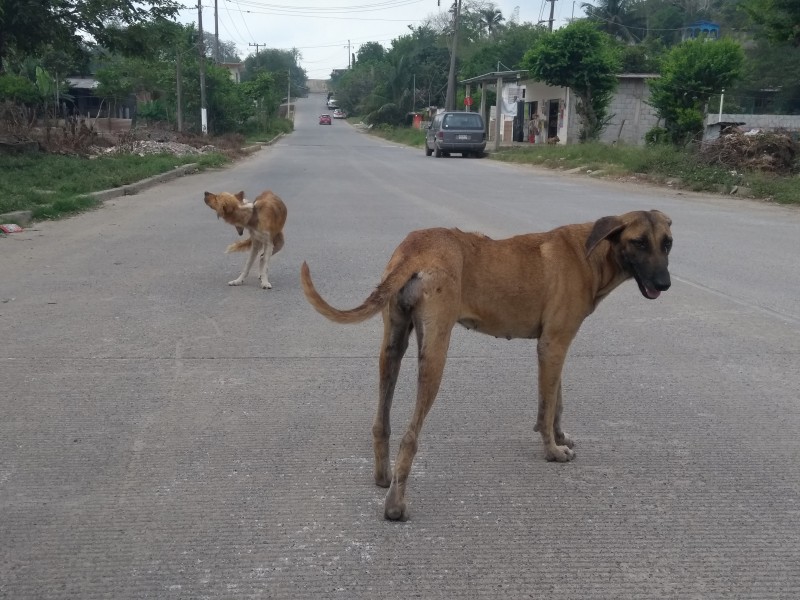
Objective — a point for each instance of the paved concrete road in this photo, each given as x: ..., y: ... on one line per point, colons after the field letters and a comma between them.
x: 163, y: 435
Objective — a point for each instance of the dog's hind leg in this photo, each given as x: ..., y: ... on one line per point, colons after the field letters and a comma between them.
x: 433, y: 336
x: 254, y: 250
x: 263, y: 264
x: 397, y: 328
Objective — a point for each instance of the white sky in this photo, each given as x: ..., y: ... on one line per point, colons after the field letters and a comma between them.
x: 321, y: 29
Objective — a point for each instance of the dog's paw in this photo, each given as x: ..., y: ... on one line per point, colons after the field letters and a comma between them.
x: 563, y: 439
x: 395, y: 508
x: 236, y: 282
x: 396, y: 512
x: 266, y: 285
x: 559, y: 454
x: 383, y: 480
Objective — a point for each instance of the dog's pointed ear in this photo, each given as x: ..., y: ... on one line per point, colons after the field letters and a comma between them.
x: 603, y: 229
x: 240, y: 196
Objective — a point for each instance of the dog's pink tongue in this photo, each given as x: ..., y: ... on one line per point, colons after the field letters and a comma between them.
x: 652, y: 294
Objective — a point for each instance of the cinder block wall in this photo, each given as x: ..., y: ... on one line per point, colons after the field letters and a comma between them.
x: 632, y: 116
x: 768, y: 122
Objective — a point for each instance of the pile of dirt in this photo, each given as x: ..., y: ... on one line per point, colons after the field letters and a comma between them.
x: 773, y: 152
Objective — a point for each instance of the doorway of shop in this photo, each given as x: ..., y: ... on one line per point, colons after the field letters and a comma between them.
x: 552, y: 118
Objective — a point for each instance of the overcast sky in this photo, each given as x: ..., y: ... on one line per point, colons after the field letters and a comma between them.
x: 322, y: 29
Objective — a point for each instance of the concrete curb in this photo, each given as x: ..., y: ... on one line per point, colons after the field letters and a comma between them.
x: 134, y: 188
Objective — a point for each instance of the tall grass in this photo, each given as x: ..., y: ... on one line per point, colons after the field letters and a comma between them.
x: 402, y: 135
x: 54, y: 185
x: 657, y: 164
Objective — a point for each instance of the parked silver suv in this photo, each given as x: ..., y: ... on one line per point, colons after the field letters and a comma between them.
x: 456, y: 132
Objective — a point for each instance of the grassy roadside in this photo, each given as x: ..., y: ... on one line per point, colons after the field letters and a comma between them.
x: 52, y: 185
x: 650, y: 164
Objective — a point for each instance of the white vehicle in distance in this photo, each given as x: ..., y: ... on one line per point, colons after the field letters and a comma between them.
x: 338, y: 114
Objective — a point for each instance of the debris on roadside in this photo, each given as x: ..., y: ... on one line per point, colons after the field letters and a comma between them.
x: 147, y: 147
x: 10, y: 228
x: 773, y: 152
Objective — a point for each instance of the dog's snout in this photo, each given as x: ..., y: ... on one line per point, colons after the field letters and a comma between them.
x: 662, y: 284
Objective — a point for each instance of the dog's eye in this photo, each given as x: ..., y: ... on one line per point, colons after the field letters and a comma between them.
x: 667, y: 245
x: 640, y: 244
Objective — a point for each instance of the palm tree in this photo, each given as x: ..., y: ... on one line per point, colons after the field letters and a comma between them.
x: 491, y: 19
x: 619, y: 18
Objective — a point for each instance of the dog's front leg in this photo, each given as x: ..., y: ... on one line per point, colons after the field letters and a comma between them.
x: 562, y: 439
x: 248, y: 265
x: 552, y: 351
x: 263, y: 264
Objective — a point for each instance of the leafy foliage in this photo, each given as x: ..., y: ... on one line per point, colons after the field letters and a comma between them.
x: 584, y: 59
x: 621, y: 19
x: 780, y: 18
x: 28, y: 26
x: 691, y: 73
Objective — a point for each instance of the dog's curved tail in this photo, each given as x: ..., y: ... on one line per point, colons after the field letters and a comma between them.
x: 380, y: 296
x: 243, y: 245
x: 240, y: 246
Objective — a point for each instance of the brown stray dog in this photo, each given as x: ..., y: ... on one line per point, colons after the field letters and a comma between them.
x: 264, y: 219
x: 538, y: 285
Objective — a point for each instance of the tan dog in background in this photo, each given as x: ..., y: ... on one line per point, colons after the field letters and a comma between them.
x: 538, y: 285
x: 264, y: 219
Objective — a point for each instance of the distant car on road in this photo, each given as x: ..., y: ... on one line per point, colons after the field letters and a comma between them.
x: 456, y: 131
x: 324, y: 119
x: 339, y: 114
x: 332, y: 103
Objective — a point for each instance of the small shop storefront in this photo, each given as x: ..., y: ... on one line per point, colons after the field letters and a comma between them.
x: 530, y: 111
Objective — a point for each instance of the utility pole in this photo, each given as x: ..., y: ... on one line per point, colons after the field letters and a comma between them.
x: 348, y: 55
x: 257, y: 46
x: 450, y: 100
x: 288, y: 93
x: 552, y: 10
x: 179, y: 91
x: 216, y: 32
x: 201, y: 50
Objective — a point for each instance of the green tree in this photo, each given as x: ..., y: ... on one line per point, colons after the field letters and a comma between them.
x: 508, y: 49
x: 779, y: 18
x: 690, y: 74
x: 621, y: 19
x: 282, y: 63
x: 227, y: 50
x: 17, y: 89
x: 264, y: 93
x: 491, y: 20
x: 27, y: 26
x: 585, y: 60
x: 371, y: 52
